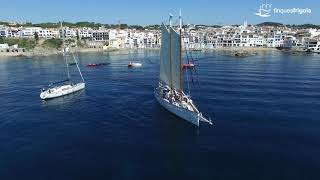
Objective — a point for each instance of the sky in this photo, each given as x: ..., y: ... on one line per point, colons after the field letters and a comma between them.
x: 145, y: 12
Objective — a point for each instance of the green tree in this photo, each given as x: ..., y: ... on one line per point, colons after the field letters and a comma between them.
x: 36, y: 36
x: 22, y: 42
x: 78, y: 35
x: 27, y: 43
x: 52, y: 43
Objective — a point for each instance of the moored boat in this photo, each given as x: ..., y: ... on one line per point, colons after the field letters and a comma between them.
x: 62, y: 90
x: 133, y: 64
x: 97, y: 64
x: 65, y: 87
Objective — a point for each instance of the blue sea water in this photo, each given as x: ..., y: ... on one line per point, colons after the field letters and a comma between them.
x: 266, y: 110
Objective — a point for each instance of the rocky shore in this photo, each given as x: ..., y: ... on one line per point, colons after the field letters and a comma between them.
x: 231, y: 51
x: 244, y: 51
x: 42, y: 52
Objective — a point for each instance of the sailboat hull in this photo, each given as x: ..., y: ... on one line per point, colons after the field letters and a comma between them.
x: 183, y: 113
x: 60, y: 91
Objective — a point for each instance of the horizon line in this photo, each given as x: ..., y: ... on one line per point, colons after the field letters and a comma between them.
x: 204, y: 24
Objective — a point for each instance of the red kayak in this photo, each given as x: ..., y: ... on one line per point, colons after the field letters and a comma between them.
x: 97, y: 64
x: 91, y: 65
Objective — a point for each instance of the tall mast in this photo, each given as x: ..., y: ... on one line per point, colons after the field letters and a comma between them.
x: 170, y: 19
x: 180, y: 31
x: 180, y: 20
x: 64, y: 48
x: 170, y: 58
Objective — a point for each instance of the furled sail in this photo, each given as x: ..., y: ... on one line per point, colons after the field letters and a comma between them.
x: 165, y: 56
x: 176, y: 60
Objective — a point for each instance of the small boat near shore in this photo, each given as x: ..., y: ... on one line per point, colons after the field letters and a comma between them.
x: 133, y: 64
x: 97, y: 64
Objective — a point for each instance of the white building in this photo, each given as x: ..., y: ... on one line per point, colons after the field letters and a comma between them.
x: 290, y: 42
x: 4, y: 46
x: 69, y: 33
x: 28, y: 32
x: 314, y: 32
x: 4, y: 32
x: 48, y: 33
x: 85, y: 33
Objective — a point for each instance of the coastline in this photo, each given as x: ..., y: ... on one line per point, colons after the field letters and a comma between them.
x: 43, y: 52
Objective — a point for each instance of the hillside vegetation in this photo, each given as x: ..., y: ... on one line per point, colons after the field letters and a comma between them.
x: 26, y: 43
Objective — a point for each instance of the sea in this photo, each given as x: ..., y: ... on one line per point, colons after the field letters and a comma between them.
x: 265, y: 109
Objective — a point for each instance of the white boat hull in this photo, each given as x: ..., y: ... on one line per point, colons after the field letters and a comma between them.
x: 192, y: 117
x: 136, y: 64
x: 63, y: 90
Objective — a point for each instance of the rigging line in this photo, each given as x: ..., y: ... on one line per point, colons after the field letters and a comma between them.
x: 176, y: 22
x: 76, y: 50
x: 187, y: 54
x: 188, y: 63
x: 196, y: 73
x: 75, y: 60
x: 195, y: 69
x: 188, y: 83
x: 192, y: 78
x: 67, y: 67
x: 190, y: 70
x: 180, y: 57
x: 67, y: 64
x: 170, y: 59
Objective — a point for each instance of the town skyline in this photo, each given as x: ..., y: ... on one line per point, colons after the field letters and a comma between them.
x: 75, y: 23
x: 143, y: 12
x: 268, y: 35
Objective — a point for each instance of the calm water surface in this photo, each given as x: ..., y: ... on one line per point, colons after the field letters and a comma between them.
x: 266, y: 110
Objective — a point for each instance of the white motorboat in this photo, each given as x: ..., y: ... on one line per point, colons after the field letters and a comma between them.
x: 134, y: 64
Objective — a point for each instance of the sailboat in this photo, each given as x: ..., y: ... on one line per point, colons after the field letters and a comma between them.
x: 65, y: 87
x: 169, y: 92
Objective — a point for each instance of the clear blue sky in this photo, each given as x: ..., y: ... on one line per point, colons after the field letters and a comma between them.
x: 143, y: 12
